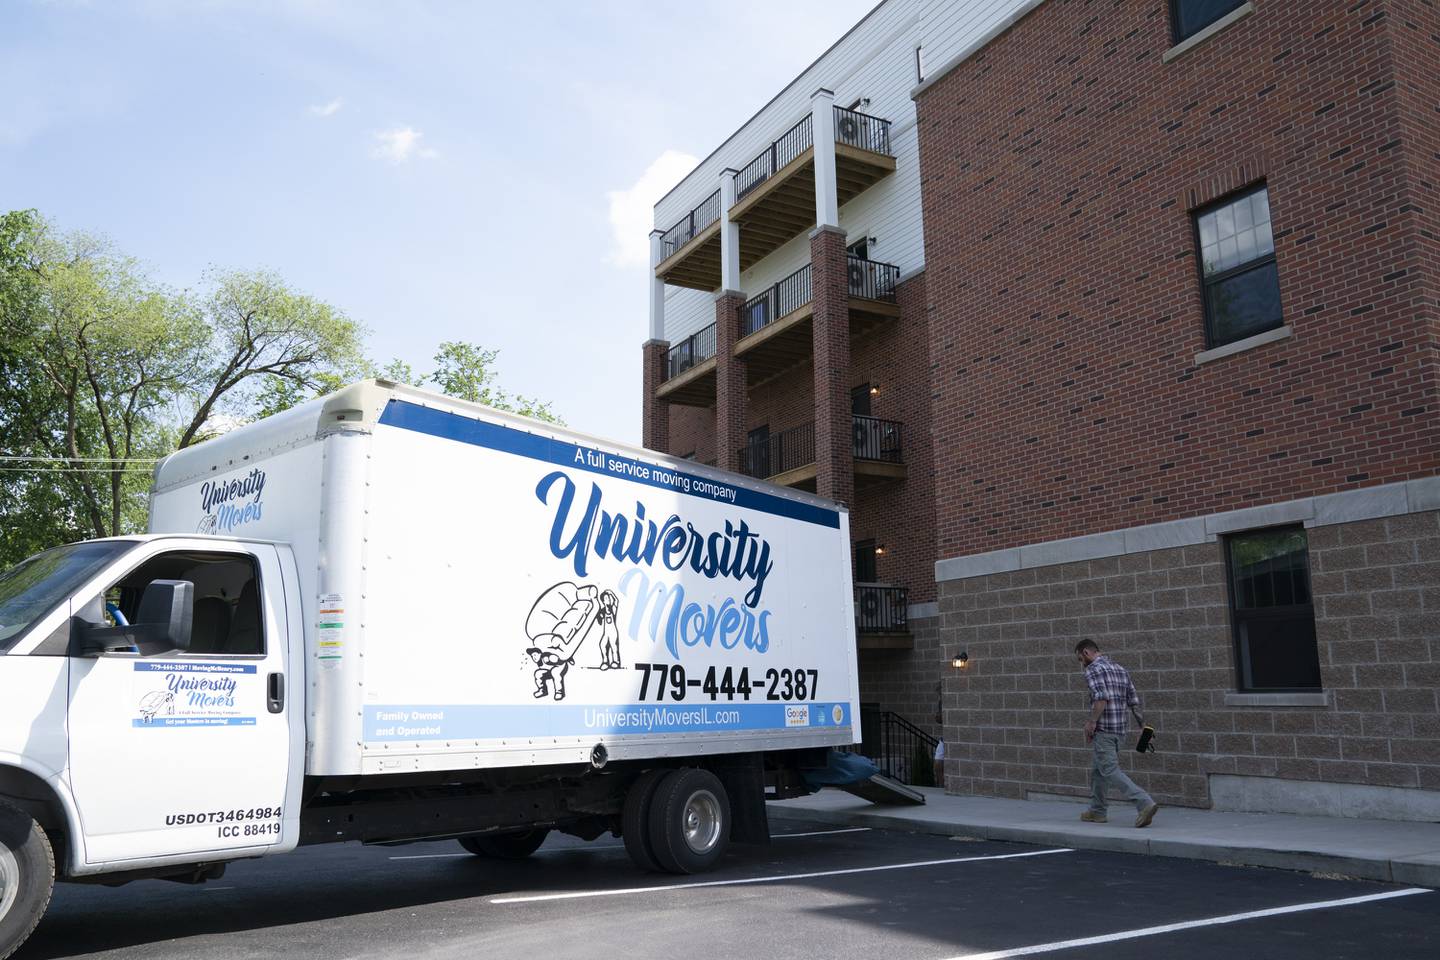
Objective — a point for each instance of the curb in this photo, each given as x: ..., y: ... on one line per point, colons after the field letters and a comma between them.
x: 1422, y: 873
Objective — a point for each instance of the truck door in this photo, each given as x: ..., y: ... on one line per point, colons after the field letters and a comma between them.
x: 185, y: 753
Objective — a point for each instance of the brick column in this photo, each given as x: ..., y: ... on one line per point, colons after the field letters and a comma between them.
x: 656, y: 425
x: 834, y: 433
x: 729, y: 381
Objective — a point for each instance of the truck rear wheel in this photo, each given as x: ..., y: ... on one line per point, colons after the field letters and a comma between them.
x: 506, y: 846
x: 635, y: 821
x: 689, y: 821
x: 27, y: 876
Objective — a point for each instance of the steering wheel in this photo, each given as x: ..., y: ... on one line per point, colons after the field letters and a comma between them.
x: 116, y: 615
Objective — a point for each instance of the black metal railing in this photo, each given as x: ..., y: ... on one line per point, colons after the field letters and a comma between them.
x: 898, y: 747
x: 694, y: 349
x: 871, y: 280
x: 690, y: 226
x: 881, y: 608
x: 779, y: 453
x: 877, y: 439
x: 796, y: 141
x: 783, y: 298
x: 862, y: 131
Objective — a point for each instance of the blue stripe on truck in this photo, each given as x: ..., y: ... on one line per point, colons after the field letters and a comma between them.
x: 385, y: 724
x: 452, y: 426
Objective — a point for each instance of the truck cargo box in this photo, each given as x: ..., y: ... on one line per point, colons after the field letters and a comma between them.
x: 484, y: 590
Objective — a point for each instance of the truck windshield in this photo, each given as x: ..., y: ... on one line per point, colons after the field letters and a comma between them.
x: 33, y: 587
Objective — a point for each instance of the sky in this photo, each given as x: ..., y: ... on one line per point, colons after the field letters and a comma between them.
x: 438, y: 170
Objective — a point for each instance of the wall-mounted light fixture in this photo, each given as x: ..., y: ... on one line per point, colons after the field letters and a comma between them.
x: 961, y: 660
x: 875, y: 390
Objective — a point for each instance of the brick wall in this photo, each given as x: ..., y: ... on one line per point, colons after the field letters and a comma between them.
x: 1060, y: 166
x: 908, y: 682
x: 831, y: 372
x: 692, y: 430
x: 1013, y: 719
x: 901, y: 516
x: 656, y: 426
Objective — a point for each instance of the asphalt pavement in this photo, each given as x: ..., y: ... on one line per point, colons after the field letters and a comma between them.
x: 818, y: 890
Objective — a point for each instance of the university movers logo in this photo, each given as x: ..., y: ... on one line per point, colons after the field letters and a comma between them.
x: 228, y: 504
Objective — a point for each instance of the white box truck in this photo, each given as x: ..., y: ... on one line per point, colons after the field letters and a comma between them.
x: 389, y: 616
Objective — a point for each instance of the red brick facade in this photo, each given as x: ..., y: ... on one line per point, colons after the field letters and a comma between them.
x: 1065, y: 159
x: 834, y: 452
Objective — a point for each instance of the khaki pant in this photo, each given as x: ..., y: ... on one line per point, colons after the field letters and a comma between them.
x: 1105, y: 771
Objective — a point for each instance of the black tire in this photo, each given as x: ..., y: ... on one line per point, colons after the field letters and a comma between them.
x: 506, y: 846
x: 27, y: 876
x: 689, y: 821
x: 635, y: 822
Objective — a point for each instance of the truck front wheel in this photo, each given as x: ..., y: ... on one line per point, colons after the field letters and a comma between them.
x: 27, y: 876
x: 689, y: 821
x: 504, y: 846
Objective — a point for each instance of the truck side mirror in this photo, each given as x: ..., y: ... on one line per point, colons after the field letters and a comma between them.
x: 163, y: 622
x: 168, y: 607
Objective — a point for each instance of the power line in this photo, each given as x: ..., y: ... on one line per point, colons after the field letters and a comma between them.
x: 81, y: 459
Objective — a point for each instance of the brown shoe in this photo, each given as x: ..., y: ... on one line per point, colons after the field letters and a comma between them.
x: 1090, y: 816
x: 1146, y: 815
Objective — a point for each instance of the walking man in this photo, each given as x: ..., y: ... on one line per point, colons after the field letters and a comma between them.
x: 1111, y: 695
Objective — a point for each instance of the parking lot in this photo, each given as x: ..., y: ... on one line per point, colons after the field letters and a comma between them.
x: 816, y: 891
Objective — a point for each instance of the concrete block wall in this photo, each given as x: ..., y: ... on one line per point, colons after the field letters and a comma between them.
x: 1013, y: 720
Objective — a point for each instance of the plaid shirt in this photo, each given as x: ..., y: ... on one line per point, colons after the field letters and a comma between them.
x: 1111, y: 682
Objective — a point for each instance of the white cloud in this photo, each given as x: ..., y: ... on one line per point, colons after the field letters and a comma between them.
x: 632, y: 209
x: 328, y: 109
x: 399, y: 145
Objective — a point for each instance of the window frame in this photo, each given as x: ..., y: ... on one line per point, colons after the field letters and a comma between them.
x: 1206, y: 283
x: 1288, y: 612
x: 1177, y: 37
x: 256, y: 567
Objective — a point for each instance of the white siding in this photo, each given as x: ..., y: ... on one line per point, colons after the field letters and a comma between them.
x: 875, y: 61
x: 833, y: 71
x: 949, y: 28
x: 687, y: 311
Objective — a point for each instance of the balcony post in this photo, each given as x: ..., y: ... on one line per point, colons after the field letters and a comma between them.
x: 655, y: 427
x: 834, y: 427
x: 729, y: 380
x: 822, y: 126
x: 657, y: 289
x: 729, y: 233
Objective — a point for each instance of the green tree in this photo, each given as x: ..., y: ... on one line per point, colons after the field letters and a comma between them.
x: 467, y: 372
x: 102, y: 371
x: 269, y: 347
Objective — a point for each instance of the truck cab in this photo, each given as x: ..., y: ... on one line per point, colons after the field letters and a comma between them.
x: 153, y: 723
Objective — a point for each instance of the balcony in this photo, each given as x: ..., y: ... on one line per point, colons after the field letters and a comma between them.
x: 690, y: 371
x: 788, y: 457
x: 775, y: 198
x: 775, y: 192
x: 690, y: 250
x: 777, y: 332
x: 881, y: 616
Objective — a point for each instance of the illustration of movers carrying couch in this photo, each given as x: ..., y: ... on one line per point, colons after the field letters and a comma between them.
x: 559, y: 623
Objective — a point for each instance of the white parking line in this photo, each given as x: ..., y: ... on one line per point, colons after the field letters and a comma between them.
x: 1188, y: 925
x: 617, y: 846
x: 626, y: 891
x: 818, y: 833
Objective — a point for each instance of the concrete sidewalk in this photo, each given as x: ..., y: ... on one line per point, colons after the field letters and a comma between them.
x: 1387, y: 850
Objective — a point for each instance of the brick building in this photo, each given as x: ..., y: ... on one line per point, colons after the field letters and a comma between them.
x: 1165, y: 366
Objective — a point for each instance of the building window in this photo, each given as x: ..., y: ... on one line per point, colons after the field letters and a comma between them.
x: 865, y: 571
x: 1270, y: 604
x: 1237, y: 266
x: 1189, y: 17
